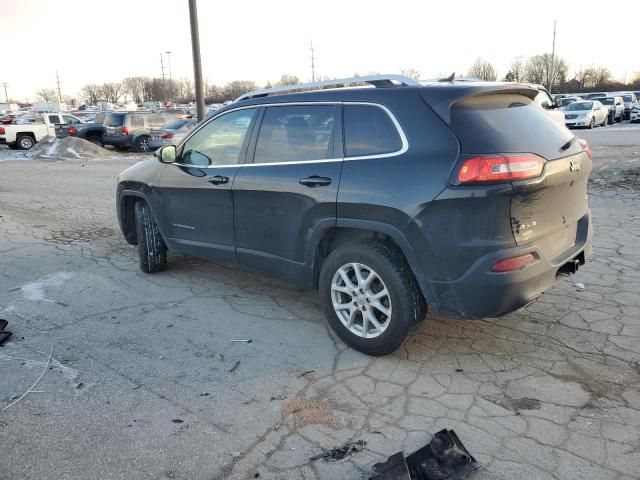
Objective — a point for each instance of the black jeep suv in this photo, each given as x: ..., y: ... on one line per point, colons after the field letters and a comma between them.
x: 463, y: 197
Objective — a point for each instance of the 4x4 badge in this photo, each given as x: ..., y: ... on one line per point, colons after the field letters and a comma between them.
x: 574, y: 166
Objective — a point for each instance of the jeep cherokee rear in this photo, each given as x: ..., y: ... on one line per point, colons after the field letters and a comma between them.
x: 460, y: 196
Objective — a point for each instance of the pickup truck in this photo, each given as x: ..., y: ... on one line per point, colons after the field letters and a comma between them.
x: 91, y: 131
x: 25, y: 136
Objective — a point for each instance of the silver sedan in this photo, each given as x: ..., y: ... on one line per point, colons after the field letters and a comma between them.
x: 171, y: 134
x: 586, y: 114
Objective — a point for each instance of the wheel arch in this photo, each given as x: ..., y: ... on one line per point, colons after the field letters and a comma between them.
x: 128, y: 196
x: 326, y: 236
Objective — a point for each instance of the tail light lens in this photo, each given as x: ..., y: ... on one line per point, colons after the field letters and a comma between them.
x: 585, y: 147
x: 500, y: 168
x: 124, y: 131
x: 512, y: 264
x: 2, y: 132
x: 167, y: 135
x: 73, y: 131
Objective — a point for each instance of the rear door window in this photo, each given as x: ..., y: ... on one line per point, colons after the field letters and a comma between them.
x: 296, y: 133
x: 54, y: 119
x: 368, y: 130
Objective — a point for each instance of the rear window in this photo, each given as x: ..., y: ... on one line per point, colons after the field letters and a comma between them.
x: 114, y: 120
x: 368, y: 130
x: 627, y: 98
x: 606, y: 101
x: 507, y: 123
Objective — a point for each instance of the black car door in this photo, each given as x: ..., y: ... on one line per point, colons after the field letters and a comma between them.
x: 194, y: 193
x: 290, y: 187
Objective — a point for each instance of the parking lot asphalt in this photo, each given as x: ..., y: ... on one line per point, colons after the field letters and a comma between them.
x: 140, y: 378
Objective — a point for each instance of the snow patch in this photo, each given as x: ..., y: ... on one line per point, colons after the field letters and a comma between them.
x: 35, y: 291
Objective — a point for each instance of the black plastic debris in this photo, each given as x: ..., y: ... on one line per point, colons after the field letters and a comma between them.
x: 444, y: 458
x: 4, y: 335
x: 339, y: 453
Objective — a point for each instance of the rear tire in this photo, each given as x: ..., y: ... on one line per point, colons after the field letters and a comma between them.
x: 25, y: 142
x: 151, y: 248
x: 95, y: 139
x: 142, y: 144
x: 393, y: 289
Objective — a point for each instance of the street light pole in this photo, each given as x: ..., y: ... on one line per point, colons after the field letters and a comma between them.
x: 197, y: 66
x: 169, y: 64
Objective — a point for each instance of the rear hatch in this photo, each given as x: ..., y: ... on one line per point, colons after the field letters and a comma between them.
x: 545, y: 210
x: 113, y: 124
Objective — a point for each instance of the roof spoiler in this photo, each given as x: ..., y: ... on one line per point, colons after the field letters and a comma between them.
x: 442, y: 99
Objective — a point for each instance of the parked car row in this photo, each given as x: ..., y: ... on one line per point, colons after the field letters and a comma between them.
x: 619, y: 104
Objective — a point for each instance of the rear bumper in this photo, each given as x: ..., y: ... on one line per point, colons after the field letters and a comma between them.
x: 481, y: 293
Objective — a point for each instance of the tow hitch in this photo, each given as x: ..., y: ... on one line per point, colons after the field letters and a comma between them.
x: 572, y: 265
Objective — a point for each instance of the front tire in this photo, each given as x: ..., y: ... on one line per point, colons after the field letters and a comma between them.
x: 592, y: 123
x: 25, y: 142
x: 151, y: 248
x: 370, y: 296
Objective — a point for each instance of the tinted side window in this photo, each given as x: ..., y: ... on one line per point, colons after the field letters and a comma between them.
x: 368, y: 130
x: 136, y: 121
x: 296, y: 133
x: 220, y: 141
x: 54, y: 119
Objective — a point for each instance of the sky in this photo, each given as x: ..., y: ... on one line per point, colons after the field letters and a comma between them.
x: 93, y: 41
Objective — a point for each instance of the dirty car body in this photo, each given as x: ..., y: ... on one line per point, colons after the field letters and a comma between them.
x: 483, y: 195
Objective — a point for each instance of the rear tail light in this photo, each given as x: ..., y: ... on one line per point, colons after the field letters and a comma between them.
x: 512, y: 264
x: 73, y: 131
x: 500, y: 168
x: 124, y: 131
x: 167, y: 135
x: 585, y: 147
x: 2, y: 132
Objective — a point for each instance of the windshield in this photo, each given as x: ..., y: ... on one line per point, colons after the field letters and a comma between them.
x: 114, y: 120
x: 175, y: 125
x: 566, y: 101
x: 574, y: 107
x: 606, y: 101
x: 627, y: 98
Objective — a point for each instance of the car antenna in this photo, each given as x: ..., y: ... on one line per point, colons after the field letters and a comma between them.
x: 449, y: 78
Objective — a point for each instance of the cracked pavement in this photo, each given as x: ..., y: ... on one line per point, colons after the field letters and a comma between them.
x: 144, y: 383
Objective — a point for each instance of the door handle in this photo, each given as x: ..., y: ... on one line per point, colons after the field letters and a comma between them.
x: 315, y: 181
x: 218, y: 180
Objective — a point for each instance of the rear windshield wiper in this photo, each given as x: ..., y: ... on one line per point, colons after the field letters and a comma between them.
x: 567, y: 145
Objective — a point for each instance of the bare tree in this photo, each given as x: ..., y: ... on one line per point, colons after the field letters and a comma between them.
x: 483, y: 70
x: 411, y: 73
x: 601, y: 77
x: 134, y: 86
x: 93, y: 93
x: 286, y: 79
x: 545, y: 70
x: 516, y: 71
x: 112, y: 91
x: 238, y: 87
x: 47, y: 94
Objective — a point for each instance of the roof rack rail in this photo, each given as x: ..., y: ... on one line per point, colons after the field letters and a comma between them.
x: 374, y: 80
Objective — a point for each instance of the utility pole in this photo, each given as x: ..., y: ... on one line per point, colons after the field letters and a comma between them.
x: 6, y: 97
x: 313, y: 64
x: 59, y: 94
x: 164, y: 90
x: 197, y: 66
x: 553, y: 54
x: 169, y: 64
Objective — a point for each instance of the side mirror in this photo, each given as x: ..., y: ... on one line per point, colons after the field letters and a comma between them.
x: 166, y: 154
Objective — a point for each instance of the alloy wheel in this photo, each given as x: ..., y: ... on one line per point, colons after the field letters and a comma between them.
x: 361, y: 300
